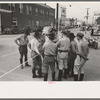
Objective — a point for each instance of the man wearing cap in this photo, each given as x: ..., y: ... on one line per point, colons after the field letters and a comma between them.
x: 81, y: 58
x: 36, y: 49
x: 22, y: 42
x: 50, y: 52
x: 72, y: 54
x: 63, y: 46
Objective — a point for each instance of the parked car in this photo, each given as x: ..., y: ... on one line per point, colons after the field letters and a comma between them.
x: 83, y: 28
x: 45, y: 32
x: 92, y: 42
x: 8, y: 31
x: 96, y: 31
x: 12, y: 30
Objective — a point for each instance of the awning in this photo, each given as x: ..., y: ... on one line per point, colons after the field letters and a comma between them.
x: 5, y: 11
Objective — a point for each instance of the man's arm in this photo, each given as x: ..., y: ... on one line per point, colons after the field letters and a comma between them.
x: 16, y: 41
x: 82, y: 54
x: 29, y: 45
x: 36, y: 45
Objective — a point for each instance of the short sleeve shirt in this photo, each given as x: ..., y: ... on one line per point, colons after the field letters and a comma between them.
x: 50, y: 48
x: 23, y: 40
x: 34, y: 43
x: 63, y: 44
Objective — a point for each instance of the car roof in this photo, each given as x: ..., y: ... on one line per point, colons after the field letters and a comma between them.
x: 46, y: 28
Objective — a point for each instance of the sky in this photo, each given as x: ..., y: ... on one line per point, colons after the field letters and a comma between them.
x: 78, y: 9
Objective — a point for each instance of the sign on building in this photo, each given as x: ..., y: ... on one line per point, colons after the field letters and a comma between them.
x: 62, y: 11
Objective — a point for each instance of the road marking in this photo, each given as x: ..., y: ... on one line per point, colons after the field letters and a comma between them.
x: 9, y: 54
x: 16, y: 67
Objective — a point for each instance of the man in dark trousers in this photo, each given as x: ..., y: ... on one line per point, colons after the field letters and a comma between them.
x: 22, y: 42
x: 72, y: 54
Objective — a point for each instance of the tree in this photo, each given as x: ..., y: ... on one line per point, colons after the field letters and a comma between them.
x: 98, y: 20
x: 72, y: 21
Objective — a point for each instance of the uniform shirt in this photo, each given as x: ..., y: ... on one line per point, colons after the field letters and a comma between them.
x: 35, y: 45
x: 83, y: 50
x: 50, y: 48
x: 63, y: 44
x: 23, y: 40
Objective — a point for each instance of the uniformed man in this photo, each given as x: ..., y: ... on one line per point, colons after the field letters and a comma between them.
x: 50, y: 53
x: 63, y: 46
x: 81, y: 58
x: 22, y: 42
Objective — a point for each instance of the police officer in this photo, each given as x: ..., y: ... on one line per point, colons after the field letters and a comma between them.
x: 50, y: 52
x: 81, y: 58
x: 22, y: 42
x: 63, y: 46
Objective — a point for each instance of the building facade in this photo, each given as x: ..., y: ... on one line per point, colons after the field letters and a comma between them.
x: 22, y: 15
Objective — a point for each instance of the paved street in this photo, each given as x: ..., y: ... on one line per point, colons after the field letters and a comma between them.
x: 10, y: 68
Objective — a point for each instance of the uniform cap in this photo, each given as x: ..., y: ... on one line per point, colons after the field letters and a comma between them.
x: 71, y: 35
x: 80, y: 35
x: 66, y: 32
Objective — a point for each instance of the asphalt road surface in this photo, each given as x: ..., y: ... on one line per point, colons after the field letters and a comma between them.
x: 10, y: 66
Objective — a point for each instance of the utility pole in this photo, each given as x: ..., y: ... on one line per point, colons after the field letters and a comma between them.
x: 87, y: 16
x: 57, y: 8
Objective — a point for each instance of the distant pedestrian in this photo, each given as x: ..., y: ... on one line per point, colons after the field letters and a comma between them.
x: 22, y: 42
x: 36, y: 49
x: 50, y: 52
x: 63, y: 46
x: 72, y: 54
x: 92, y: 31
x: 81, y: 58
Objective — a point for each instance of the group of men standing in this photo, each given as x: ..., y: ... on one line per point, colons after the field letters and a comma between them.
x: 67, y: 53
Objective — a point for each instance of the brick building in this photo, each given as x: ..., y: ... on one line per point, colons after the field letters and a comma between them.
x: 22, y: 15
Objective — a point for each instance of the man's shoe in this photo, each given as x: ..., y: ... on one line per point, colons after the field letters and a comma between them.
x: 34, y: 76
x: 27, y: 65
x: 21, y: 67
x: 40, y: 76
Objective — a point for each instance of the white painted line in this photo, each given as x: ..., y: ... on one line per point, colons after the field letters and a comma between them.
x: 16, y: 67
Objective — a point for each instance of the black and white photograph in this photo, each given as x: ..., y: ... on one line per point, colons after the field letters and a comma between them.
x: 49, y: 49
x: 50, y: 41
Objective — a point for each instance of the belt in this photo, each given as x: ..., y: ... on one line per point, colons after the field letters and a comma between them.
x: 24, y: 45
x: 50, y: 55
x: 63, y: 51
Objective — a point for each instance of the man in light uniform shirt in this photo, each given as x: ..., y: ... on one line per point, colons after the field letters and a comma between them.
x: 50, y: 52
x: 81, y: 58
x: 63, y: 46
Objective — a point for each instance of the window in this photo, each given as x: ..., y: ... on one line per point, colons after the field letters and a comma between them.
x: 29, y: 23
x: 14, y: 22
x: 9, y: 6
x: 30, y: 10
x: 13, y: 7
x: 27, y: 9
x: 36, y: 10
x: 41, y: 11
x: 37, y: 23
x: 47, y: 13
x: 21, y: 8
